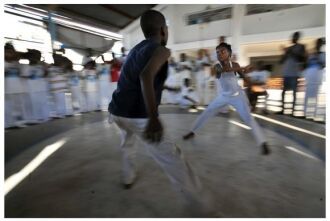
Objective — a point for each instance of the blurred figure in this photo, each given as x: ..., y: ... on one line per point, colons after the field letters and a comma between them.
x: 115, y: 71
x: 123, y: 57
x: 184, y: 68
x: 188, y: 97
x: 58, y: 85
x: 75, y: 83
x: 171, y: 96
x: 313, y: 78
x: 202, y: 61
x: 103, y: 71
x: 232, y: 94
x: 91, y: 85
x: 134, y: 109
x: 293, y: 61
x: 37, y: 87
x: 257, y: 85
x: 15, y: 115
x: 211, y: 86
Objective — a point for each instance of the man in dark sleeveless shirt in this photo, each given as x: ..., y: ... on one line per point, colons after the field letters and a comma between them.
x: 134, y: 108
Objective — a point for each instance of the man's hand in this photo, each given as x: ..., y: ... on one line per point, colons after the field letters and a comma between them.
x: 248, y: 69
x: 154, y: 130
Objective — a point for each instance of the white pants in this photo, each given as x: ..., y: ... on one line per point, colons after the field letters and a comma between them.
x: 60, y: 107
x: 40, y: 106
x: 311, y: 103
x: 167, y: 154
x: 224, y: 109
x: 14, y: 109
x: 240, y: 103
x: 201, y: 86
x: 76, y: 95
x: 104, y: 88
x: 28, y: 109
x: 91, y: 100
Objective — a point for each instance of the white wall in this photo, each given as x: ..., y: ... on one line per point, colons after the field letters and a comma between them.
x: 295, y: 18
x: 133, y: 33
x: 260, y: 28
x: 187, y: 33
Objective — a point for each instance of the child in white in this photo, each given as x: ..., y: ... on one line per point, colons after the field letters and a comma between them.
x: 231, y: 94
x: 188, y: 96
x: 58, y: 86
x: 14, y: 93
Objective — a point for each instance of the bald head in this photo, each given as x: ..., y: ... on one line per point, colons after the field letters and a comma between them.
x: 152, y: 23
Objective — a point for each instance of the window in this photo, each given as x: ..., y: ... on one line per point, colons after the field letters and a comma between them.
x: 208, y: 16
x: 252, y: 9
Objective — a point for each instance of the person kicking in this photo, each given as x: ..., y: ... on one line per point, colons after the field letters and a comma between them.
x: 231, y: 94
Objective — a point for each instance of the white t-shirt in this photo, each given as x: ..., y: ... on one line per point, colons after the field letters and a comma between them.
x: 13, y: 82
x: 228, y: 83
x: 90, y: 80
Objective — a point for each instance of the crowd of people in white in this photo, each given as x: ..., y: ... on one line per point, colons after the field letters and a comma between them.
x: 37, y: 92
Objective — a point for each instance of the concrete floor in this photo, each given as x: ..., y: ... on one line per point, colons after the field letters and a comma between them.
x: 82, y: 178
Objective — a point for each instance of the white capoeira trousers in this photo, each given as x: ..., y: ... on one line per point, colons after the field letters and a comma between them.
x: 167, y: 154
x: 240, y: 103
x: 60, y: 107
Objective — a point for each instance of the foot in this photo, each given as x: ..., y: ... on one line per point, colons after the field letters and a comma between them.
x: 128, y: 181
x: 127, y: 186
x: 265, y: 149
x: 189, y: 135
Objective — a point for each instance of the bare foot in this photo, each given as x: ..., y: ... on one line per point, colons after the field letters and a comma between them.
x: 189, y: 135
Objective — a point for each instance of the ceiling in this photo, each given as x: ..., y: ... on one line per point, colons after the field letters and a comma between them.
x: 112, y: 17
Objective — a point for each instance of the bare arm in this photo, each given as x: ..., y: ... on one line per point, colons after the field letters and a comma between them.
x: 242, y: 71
x: 154, y: 129
x: 147, y: 77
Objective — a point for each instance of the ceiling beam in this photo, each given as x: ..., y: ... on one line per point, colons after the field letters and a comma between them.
x: 80, y: 17
x: 111, y: 8
x: 89, y: 18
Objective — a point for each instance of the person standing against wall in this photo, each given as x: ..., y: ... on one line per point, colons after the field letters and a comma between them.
x: 293, y: 62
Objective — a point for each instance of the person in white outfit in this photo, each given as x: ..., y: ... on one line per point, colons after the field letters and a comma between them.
x: 91, y: 85
x: 58, y: 85
x: 231, y: 94
x: 202, y: 62
x: 184, y: 68
x: 313, y: 77
x: 134, y: 109
x: 103, y: 71
x: 188, y: 97
x: 75, y: 84
x: 15, y: 115
x: 37, y: 87
x: 171, y: 96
